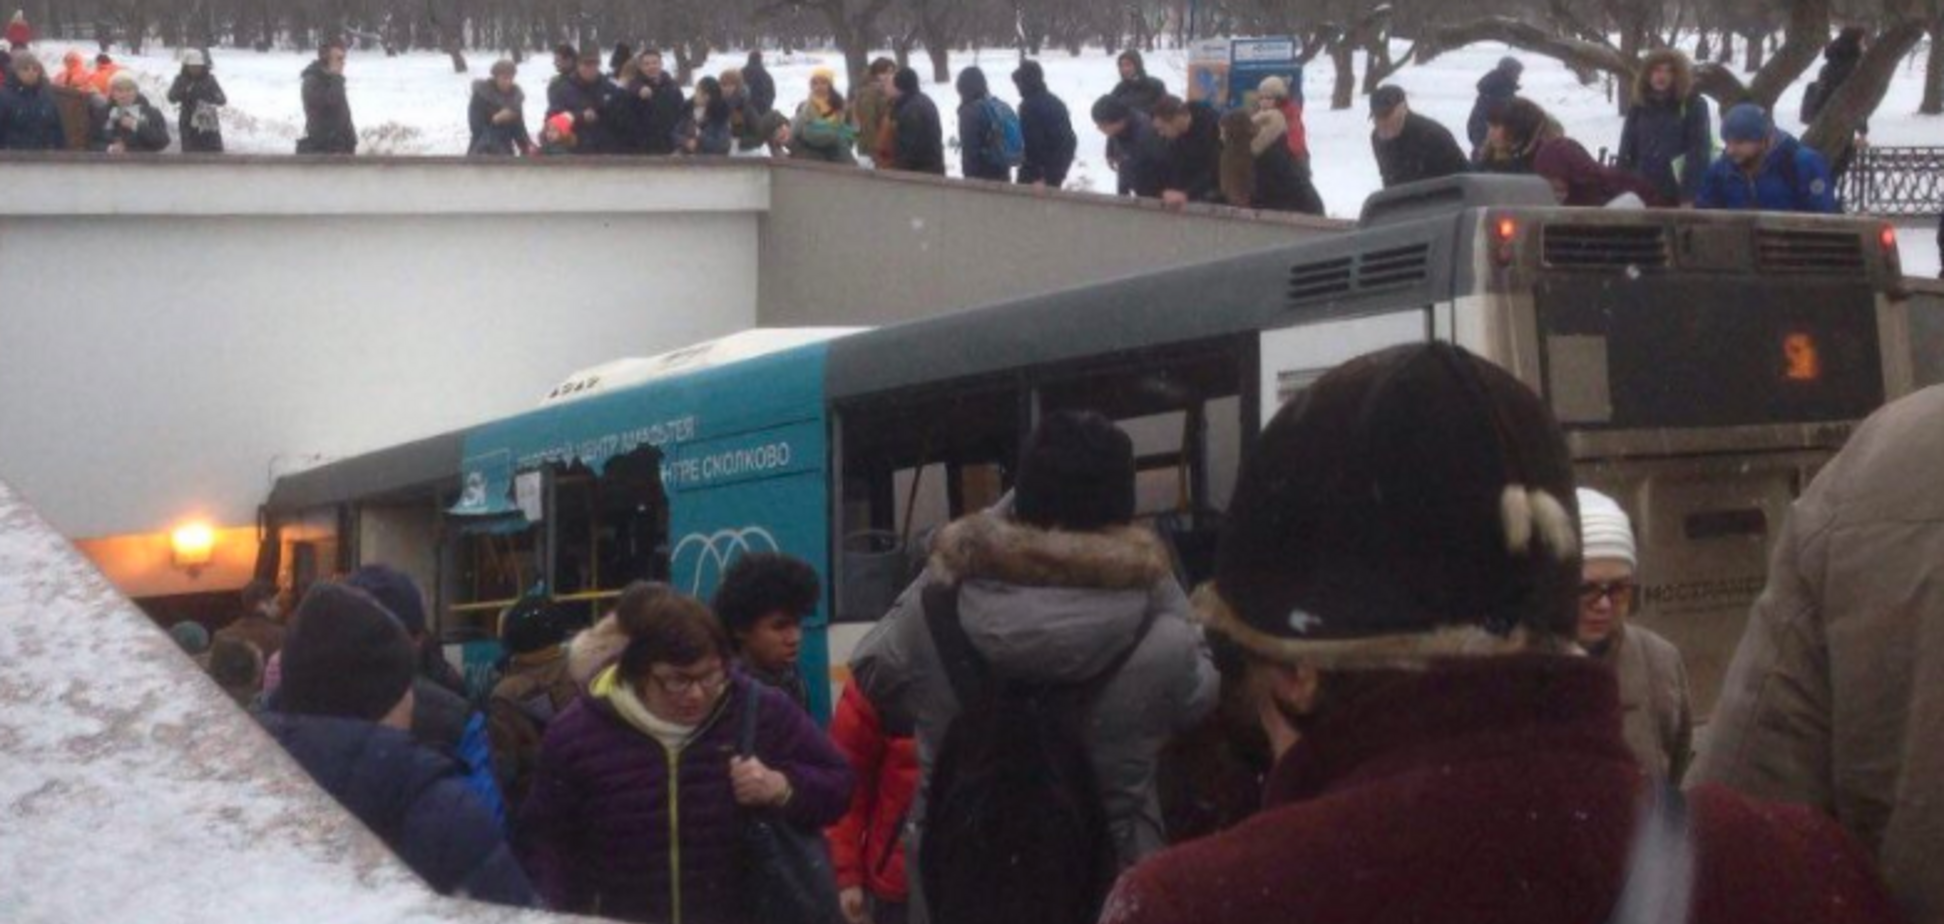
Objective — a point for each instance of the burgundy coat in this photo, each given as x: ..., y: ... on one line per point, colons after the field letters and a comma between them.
x: 604, y: 831
x: 1589, y: 183
x: 1495, y: 791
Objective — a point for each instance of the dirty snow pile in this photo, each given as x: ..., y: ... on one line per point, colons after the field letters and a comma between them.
x: 415, y: 104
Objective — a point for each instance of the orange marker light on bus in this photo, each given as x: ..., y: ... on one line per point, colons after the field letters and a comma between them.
x: 1803, y: 358
x: 1504, y: 232
x: 1508, y: 228
x: 1889, y: 238
x: 192, y: 546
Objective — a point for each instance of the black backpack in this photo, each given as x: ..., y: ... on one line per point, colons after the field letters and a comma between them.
x: 1015, y: 828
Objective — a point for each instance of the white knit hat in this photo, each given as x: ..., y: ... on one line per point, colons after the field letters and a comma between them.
x: 1605, y: 532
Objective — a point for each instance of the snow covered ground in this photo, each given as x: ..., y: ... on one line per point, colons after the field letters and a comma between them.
x: 414, y: 104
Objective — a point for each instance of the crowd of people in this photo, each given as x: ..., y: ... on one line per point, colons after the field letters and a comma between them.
x: 1423, y: 619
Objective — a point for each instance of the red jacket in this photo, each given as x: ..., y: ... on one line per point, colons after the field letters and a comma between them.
x: 1292, y: 112
x: 1493, y: 791
x: 867, y: 846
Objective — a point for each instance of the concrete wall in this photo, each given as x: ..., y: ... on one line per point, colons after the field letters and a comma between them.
x: 843, y: 246
x: 1927, y: 331
x: 174, y: 333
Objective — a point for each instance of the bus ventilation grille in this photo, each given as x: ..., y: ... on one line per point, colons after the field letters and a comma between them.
x: 1374, y: 271
x: 1809, y: 251
x: 1606, y: 246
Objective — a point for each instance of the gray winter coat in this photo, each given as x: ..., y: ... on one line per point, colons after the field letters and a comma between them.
x: 1832, y: 700
x: 1054, y: 607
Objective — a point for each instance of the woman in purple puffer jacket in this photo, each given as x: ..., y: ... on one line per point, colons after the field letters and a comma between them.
x: 639, y: 796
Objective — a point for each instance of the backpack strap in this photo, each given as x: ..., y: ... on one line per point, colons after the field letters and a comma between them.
x: 1098, y: 685
x: 1660, y: 868
x: 965, y: 668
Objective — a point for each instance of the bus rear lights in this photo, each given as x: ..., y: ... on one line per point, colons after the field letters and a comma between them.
x: 1802, y: 358
x: 1505, y: 232
x: 1892, y: 257
x: 1888, y: 238
x: 192, y: 546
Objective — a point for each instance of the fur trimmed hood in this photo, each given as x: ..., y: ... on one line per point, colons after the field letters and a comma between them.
x: 595, y: 650
x: 1683, y: 75
x: 987, y: 546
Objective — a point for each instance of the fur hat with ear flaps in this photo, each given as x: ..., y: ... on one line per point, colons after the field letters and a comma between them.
x: 1414, y: 504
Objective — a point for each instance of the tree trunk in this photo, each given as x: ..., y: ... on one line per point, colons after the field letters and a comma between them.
x: 1726, y: 52
x: 1934, y: 71
x: 941, y: 62
x: 1755, y: 47
x: 1344, y: 58
x: 1863, y: 92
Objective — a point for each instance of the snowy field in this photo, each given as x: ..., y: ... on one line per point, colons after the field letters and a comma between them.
x: 414, y: 104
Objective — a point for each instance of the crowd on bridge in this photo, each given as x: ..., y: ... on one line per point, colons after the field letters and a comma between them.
x: 1413, y: 689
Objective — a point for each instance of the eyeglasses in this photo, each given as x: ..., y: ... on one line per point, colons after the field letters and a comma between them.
x: 1620, y: 592
x: 683, y: 684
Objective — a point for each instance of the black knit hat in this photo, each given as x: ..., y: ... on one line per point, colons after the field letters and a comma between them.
x: 906, y: 81
x: 1396, y: 508
x: 345, y: 656
x: 533, y: 624
x: 395, y: 591
x: 1076, y: 474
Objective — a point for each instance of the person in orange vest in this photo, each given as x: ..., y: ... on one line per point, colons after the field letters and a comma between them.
x: 104, y: 74
x: 74, y: 74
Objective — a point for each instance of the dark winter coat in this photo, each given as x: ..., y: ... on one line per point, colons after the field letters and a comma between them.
x: 1840, y: 59
x: 1144, y: 161
x: 1283, y: 183
x: 711, y: 133
x: 1494, y: 90
x: 975, y: 125
x: 1793, y: 178
x: 1050, y: 140
x: 446, y: 723
x: 1054, y: 607
x: 1669, y: 139
x: 1499, y: 791
x: 413, y: 799
x: 534, y: 693
x: 762, y: 86
x: 1195, y: 158
x: 1424, y: 150
x: 489, y: 138
x: 571, y: 95
x: 29, y: 118
x: 1588, y: 182
x: 649, y: 125
x: 149, y: 136
x: 920, y: 138
x: 867, y: 846
x: 327, y: 114
x: 200, y: 99
x: 619, y: 825
x: 1141, y: 92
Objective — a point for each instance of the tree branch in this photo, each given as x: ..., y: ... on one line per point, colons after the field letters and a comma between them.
x: 1573, y: 52
x: 1860, y: 95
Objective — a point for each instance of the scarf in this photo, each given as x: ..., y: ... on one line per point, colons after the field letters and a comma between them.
x: 633, y: 711
x: 821, y: 104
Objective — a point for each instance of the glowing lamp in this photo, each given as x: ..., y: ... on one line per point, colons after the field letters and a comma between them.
x: 193, y: 545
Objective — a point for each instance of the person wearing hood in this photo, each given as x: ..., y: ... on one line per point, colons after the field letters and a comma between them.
x: 870, y: 107
x: 704, y: 129
x: 1399, y: 572
x: 1410, y: 148
x: 822, y: 130
x: 1654, y: 698
x: 1840, y: 60
x: 1494, y: 91
x: 128, y: 123
x: 29, y: 118
x: 199, y: 100
x: 1193, y: 134
x: 342, y: 712
x: 1669, y: 135
x: 1767, y: 169
x: 1055, y: 588
x: 327, y: 107
x: 1257, y: 170
x: 1043, y: 118
x: 19, y: 33
x: 1831, y: 699
x: 638, y: 801
x: 762, y: 87
x: 1276, y: 93
x: 1137, y: 92
x: 75, y: 73
x: 593, y: 101
x: 1143, y: 155
x: 498, y: 114
x: 917, y: 137
x: 976, y: 123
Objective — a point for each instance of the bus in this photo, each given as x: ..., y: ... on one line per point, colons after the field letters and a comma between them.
x: 1703, y: 365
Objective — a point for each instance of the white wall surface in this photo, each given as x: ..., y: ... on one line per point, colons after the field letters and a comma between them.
x: 170, y: 333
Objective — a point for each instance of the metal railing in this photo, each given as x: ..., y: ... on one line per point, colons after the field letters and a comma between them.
x: 1895, y: 182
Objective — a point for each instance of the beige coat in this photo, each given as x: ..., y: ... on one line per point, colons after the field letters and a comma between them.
x: 1836, y: 696
x: 1658, y: 714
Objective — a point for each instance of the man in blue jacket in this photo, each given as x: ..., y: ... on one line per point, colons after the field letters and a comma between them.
x: 343, y: 711
x: 1765, y: 169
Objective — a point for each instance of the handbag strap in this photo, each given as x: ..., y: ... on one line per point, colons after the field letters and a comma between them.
x: 746, y: 738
